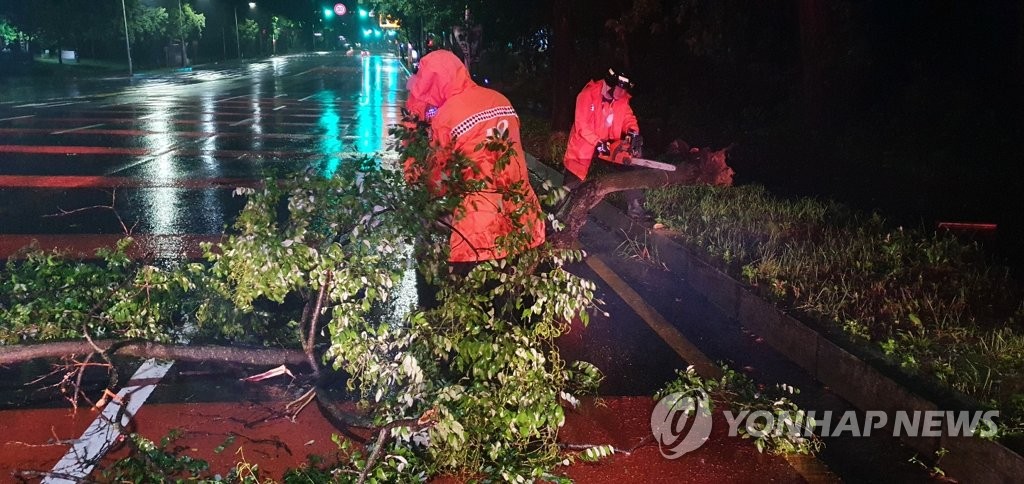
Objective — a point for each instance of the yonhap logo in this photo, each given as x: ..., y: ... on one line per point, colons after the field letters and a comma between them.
x: 681, y: 422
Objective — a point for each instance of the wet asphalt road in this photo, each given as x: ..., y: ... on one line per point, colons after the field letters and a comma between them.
x: 167, y: 151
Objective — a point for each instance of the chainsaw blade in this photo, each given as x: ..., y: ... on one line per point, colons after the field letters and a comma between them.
x: 657, y: 165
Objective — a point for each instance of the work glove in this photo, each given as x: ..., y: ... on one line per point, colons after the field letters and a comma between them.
x: 603, y: 148
x: 635, y: 143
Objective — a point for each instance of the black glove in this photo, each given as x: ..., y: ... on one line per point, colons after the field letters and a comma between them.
x: 603, y: 148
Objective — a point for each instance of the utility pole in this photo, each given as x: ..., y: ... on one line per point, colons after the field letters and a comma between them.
x: 181, y: 31
x: 238, y: 43
x: 127, y: 43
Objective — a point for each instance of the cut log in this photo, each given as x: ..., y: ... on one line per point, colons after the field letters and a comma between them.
x: 10, y: 355
x: 697, y: 167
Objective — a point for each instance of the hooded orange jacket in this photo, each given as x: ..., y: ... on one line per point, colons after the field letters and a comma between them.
x: 466, y: 115
x: 595, y: 121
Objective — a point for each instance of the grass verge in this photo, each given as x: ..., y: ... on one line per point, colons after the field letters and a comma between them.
x: 932, y: 305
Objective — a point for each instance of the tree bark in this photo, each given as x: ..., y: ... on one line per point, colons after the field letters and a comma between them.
x: 10, y: 355
x: 698, y: 168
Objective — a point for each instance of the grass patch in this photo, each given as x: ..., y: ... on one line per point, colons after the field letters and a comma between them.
x: 930, y: 303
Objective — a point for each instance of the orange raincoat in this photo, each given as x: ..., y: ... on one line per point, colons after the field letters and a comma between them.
x: 466, y: 115
x: 595, y: 121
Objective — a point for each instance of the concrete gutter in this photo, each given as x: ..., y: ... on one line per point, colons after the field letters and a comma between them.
x: 973, y: 460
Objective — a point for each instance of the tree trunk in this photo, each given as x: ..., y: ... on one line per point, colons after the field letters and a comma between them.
x: 563, y: 95
x: 699, y: 168
x: 10, y: 355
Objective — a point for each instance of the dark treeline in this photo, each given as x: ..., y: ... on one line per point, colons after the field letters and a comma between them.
x: 911, y: 108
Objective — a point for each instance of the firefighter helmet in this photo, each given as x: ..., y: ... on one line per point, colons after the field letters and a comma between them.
x: 617, y: 78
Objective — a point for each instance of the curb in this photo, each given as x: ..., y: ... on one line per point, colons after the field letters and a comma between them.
x: 847, y: 375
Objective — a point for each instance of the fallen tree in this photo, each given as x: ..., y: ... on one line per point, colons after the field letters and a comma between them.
x: 478, y: 375
x: 693, y: 167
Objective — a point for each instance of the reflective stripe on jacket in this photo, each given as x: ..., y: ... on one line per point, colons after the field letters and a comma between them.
x: 593, y: 122
x: 466, y: 114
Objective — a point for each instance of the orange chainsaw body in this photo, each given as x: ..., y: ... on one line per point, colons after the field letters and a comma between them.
x: 618, y: 152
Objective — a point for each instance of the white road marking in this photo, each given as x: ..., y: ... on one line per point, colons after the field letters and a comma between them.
x: 280, y: 107
x: 307, y: 97
x: 18, y: 117
x: 77, y: 129
x: 48, y: 105
x: 242, y: 122
x: 80, y: 459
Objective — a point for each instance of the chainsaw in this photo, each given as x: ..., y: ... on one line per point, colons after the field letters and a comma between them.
x: 624, y: 151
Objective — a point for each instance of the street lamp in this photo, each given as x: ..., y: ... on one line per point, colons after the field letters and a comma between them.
x: 238, y: 42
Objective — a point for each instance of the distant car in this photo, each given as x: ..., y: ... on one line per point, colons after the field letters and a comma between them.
x: 365, y: 53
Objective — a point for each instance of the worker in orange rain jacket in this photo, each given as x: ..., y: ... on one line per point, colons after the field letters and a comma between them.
x: 463, y: 114
x: 602, y: 115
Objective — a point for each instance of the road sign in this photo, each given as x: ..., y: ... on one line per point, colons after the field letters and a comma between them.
x: 339, y: 8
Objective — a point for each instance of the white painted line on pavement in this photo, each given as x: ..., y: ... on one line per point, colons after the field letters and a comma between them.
x: 307, y: 97
x: 242, y: 122
x: 77, y: 129
x: 280, y: 95
x: 809, y: 467
x: 664, y: 329
x: 141, y: 161
x: 280, y: 107
x: 49, y: 105
x: 63, y: 104
x: 18, y: 117
x: 80, y: 459
x: 230, y: 98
